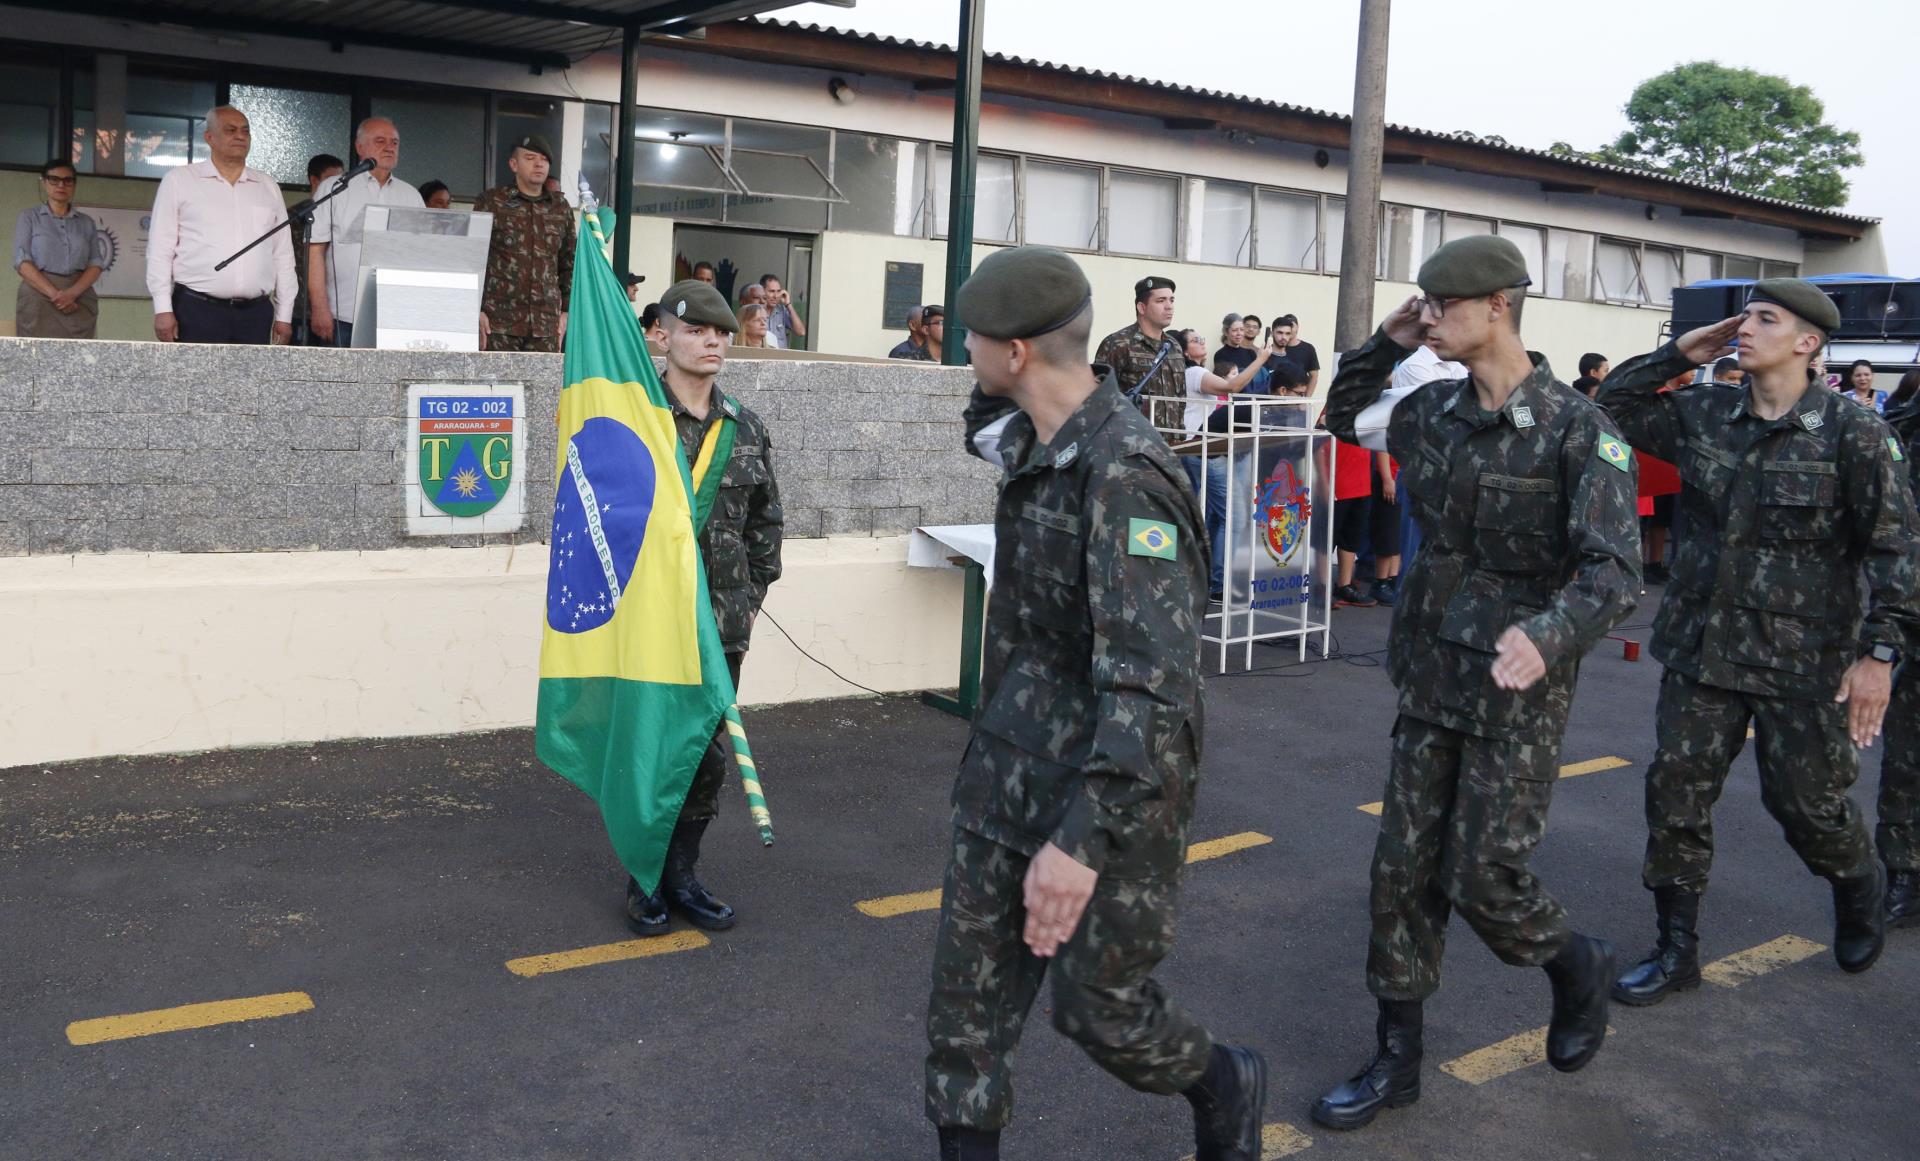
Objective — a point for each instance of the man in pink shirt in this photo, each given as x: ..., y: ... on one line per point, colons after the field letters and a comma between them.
x: 204, y: 212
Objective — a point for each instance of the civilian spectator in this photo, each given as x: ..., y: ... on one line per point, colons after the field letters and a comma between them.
x: 1594, y: 366
x: 1252, y: 330
x: 1151, y: 370
x: 1296, y: 350
x: 1352, y: 515
x: 753, y: 326
x: 1587, y: 385
x: 436, y: 195
x: 753, y: 292
x: 203, y: 213
x: 1860, y: 385
x: 703, y: 272
x: 322, y: 168
x: 60, y: 253
x: 339, y: 226
x: 650, y: 323
x: 529, y: 258
x: 916, y: 340
x: 933, y: 327
x: 1728, y: 371
x: 1904, y: 391
x: 1383, y: 531
x: 632, y: 283
x: 1206, y: 394
x: 1234, y: 353
x: 784, y: 324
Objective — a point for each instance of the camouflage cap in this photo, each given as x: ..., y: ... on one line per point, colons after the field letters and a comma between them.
x: 1801, y: 297
x: 534, y: 143
x: 1023, y: 293
x: 1473, y: 267
x: 697, y: 303
x: 1146, y: 286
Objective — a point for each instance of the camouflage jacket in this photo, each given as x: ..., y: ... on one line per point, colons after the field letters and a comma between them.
x: 1089, y: 728
x: 1130, y: 353
x: 1782, y: 518
x: 529, y: 261
x: 741, y: 542
x: 1528, y: 518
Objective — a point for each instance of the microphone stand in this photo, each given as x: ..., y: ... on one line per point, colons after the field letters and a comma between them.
x: 298, y: 212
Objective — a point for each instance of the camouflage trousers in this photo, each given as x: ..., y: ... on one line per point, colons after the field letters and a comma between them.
x: 703, y: 796
x: 1104, y: 997
x: 1807, y: 764
x: 543, y: 344
x: 1460, y: 822
x: 1898, y: 835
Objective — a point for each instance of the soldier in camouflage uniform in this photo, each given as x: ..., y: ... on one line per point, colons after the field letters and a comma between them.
x: 1530, y: 554
x: 740, y: 547
x: 1074, y: 796
x: 1147, y: 359
x: 529, y: 258
x: 1898, y: 833
x: 1790, y: 495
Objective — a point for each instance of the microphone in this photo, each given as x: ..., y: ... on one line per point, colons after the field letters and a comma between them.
x: 366, y: 166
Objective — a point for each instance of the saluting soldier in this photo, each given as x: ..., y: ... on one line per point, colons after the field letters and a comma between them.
x: 1074, y: 796
x: 1146, y: 359
x: 1530, y: 554
x: 530, y: 256
x: 1898, y: 833
x: 1791, y: 495
x: 740, y: 547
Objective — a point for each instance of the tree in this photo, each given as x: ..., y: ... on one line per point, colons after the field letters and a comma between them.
x: 1753, y: 132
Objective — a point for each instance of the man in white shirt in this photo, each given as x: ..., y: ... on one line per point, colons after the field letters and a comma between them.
x: 203, y: 213
x: 333, y: 255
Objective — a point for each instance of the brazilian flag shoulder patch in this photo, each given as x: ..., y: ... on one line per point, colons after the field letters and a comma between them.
x: 1893, y: 445
x: 1151, y: 538
x: 1614, y: 452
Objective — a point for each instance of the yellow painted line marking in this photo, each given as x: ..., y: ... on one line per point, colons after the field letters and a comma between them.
x: 1742, y: 966
x: 187, y: 1016
x: 1373, y: 808
x: 1497, y: 1060
x: 1277, y: 1140
x: 560, y: 961
x: 888, y: 906
x: 1573, y: 770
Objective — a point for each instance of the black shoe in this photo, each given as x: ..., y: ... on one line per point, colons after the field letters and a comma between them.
x: 958, y: 1144
x: 646, y: 914
x: 1860, y: 920
x: 1674, y: 963
x: 1656, y: 573
x: 1903, y: 898
x: 1581, y: 974
x: 1227, y: 1104
x: 1390, y: 1080
x: 684, y: 891
x: 1350, y: 595
x: 1386, y: 592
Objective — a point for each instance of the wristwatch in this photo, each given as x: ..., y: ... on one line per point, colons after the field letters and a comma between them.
x: 1881, y: 651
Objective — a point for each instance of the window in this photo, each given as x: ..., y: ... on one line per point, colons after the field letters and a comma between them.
x: 1063, y: 205
x: 1407, y: 237
x: 596, y: 151
x: 1142, y: 210
x: 995, y: 209
x: 1698, y: 267
x: 166, y: 115
x: 783, y: 169
x: 1737, y: 267
x: 884, y: 181
x: 514, y: 117
x: 1779, y: 270
x: 1532, y: 241
x: 1225, y: 223
x: 444, y: 138
x: 1660, y: 272
x: 1287, y: 230
x: 1460, y: 226
x: 1335, y: 233
x: 1569, y: 264
x: 1617, y: 273
x: 291, y: 125
x: 676, y: 164
x: 29, y: 106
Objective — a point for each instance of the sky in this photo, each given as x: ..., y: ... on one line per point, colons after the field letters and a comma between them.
x: 1531, y: 71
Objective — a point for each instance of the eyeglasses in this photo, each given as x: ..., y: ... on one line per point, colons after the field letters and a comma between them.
x: 51, y: 180
x: 1438, y: 305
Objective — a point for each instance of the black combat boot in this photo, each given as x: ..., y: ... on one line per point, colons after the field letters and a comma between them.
x: 1674, y: 963
x: 1581, y: 974
x: 1389, y: 1081
x: 958, y: 1144
x: 683, y: 888
x: 1859, y: 920
x: 1903, y: 898
x: 1227, y: 1103
x: 646, y: 914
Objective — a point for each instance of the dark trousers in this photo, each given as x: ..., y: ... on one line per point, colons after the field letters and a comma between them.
x: 342, y: 333
x: 703, y: 797
x: 202, y: 321
x: 1898, y: 835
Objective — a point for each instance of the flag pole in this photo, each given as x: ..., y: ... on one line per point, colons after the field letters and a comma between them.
x: 749, y: 775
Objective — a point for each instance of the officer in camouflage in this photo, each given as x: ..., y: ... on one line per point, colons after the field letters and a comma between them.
x: 1074, y: 796
x: 1790, y: 495
x: 740, y: 547
x: 523, y: 306
x: 1898, y: 833
x: 1530, y: 554
x: 1147, y: 360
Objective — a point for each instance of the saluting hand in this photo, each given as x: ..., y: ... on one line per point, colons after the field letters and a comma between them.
x: 1518, y: 664
x: 1710, y: 342
x: 1056, y: 893
x: 1866, y: 687
x: 1404, y: 325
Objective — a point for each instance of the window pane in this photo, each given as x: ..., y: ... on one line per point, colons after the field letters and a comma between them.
x: 1142, y: 211
x: 513, y: 118
x: 29, y: 93
x: 1336, y: 233
x: 596, y: 151
x: 1569, y: 264
x: 1464, y: 227
x: 877, y: 176
x: 444, y: 139
x: 1779, y: 270
x: 1430, y: 235
x: 1617, y: 272
x: 1226, y: 224
x: 165, y: 117
x: 993, y: 201
x: 1700, y: 267
x: 1741, y: 267
x: 1288, y: 230
x: 782, y: 167
x: 1405, y: 241
x: 291, y: 125
x: 1532, y: 241
x: 1660, y: 270
x: 674, y: 172
x: 1063, y: 205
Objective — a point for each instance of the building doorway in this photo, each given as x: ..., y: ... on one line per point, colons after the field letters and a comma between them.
x: 743, y: 256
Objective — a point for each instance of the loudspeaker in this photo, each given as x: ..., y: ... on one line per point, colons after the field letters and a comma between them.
x: 1873, y: 310
x: 1698, y: 306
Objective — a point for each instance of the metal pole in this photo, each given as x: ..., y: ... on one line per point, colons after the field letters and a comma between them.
x: 1359, y: 251
x: 624, y: 150
x: 966, y: 154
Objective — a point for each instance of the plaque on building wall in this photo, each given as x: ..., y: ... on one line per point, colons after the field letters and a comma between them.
x: 464, y: 446
x: 904, y: 280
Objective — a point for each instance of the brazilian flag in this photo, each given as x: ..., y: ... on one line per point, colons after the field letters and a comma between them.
x: 633, y: 681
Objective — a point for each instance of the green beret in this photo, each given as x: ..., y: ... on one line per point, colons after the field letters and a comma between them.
x: 1023, y: 293
x: 697, y: 303
x: 1473, y: 267
x: 1146, y: 286
x: 1801, y: 297
x: 534, y: 143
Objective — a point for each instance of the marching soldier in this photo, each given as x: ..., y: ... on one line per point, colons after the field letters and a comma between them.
x: 529, y: 258
x: 1790, y: 495
x: 1074, y: 796
x: 1531, y: 553
x: 1146, y: 359
x: 1898, y: 835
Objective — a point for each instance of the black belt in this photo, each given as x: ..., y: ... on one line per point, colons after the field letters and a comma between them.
x: 236, y: 303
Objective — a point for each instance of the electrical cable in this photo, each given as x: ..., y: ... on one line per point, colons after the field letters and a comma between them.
x: 816, y: 660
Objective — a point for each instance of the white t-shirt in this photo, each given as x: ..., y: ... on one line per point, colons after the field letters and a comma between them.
x: 1200, y: 404
x: 342, y: 223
